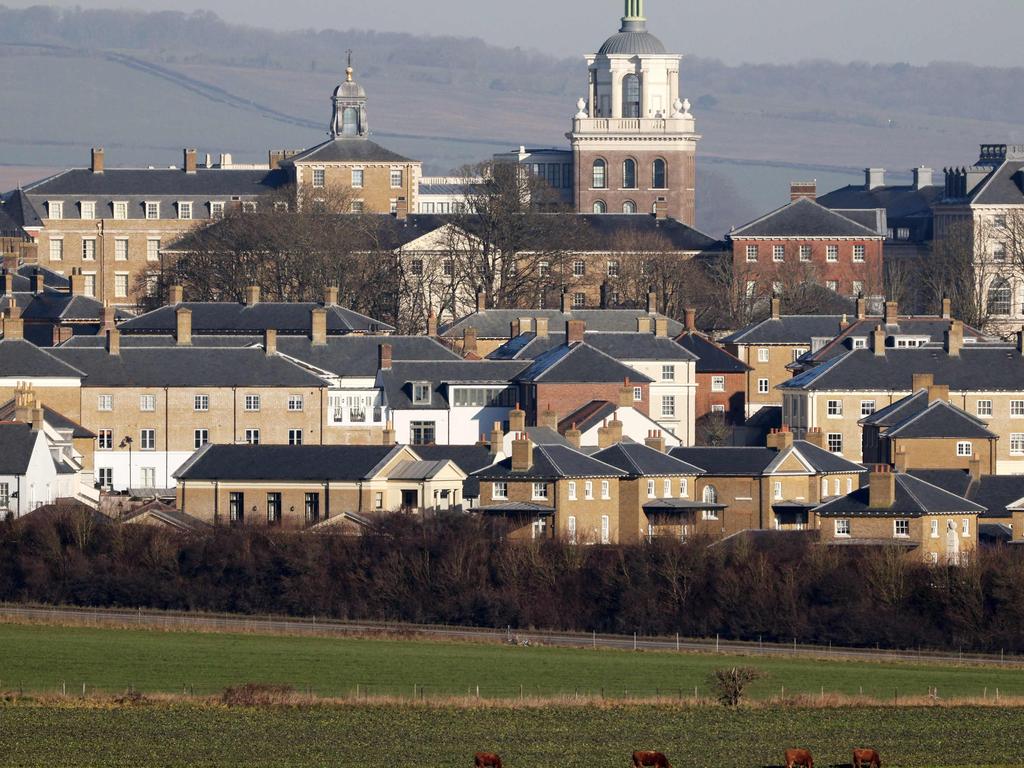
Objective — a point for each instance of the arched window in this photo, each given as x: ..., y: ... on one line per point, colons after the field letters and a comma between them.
x: 658, y: 180
x: 710, y: 494
x: 600, y: 174
x: 1000, y: 297
x: 350, y: 121
x: 600, y: 207
x: 631, y: 96
x: 629, y: 174
x: 629, y: 207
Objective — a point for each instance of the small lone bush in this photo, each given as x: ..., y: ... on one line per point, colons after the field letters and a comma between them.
x: 257, y: 695
x: 730, y: 684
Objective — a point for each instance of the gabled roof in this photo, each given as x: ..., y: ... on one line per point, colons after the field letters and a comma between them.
x: 357, y: 355
x: 586, y: 417
x: 641, y: 461
x: 1004, y: 186
x: 347, y: 149
x: 399, y: 379
x: 621, y: 346
x: 711, y: 358
x: 20, y: 209
x: 997, y: 493
x: 184, y: 367
x: 975, y: 369
x: 419, y: 470
x: 581, y: 363
x: 287, y: 463
x: 495, y: 323
x: 229, y: 317
x: 727, y: 462
x: 17, y: 442
x: 938, y: 420
x: 914, y: 498
x: 469, y: 458
x: 552, y: 462
x: 898, y: 201
x: 56, y: 307
x: 788, y: 330
x: 804, y: 218
x: 19, y: 358
x: 825, y: 462
x: 56, y: 420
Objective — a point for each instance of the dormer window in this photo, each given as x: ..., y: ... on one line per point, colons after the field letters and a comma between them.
x: 421, y: 393
x: 120, y: 210
x: 152, y: 210
x: 185, y: 211
x: 216, y: 210
x: 56, y: 209
x: 88, y: 209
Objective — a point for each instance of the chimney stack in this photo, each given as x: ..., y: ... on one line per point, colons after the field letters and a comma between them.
x: 604, y: 439
x: 108, y: 317
x: 947, y: 308
x: 652, y: 302
x: 902, y: 462
x: 921, y: 381
x: 626, y: 399
x: 937, y: 393
x: 388, y: 434
x: 481, y: 300
x: 690, y: 319
x: 862, y: 308
x: 77, y: 282
x: 661, y: 208
x: 190, y: 161
x: 661, y: 327
x: 615, y: 429
x: 882, y: 488
x: 923, y: 177
x: 331, y: 296
x: 522, y: 453
x: 815, y: 437
x: 575, y: 331
x: 384, y: 355
x: 799, y: 190
x: 8, y: 283
x: 874, y: 178
x: 776, y: 308
x: 974, y: 467
x: 497, y: 439
x: 38, y: 282
x: 566, y: 303
x: 656, y: 440
x: 98, y: 160
x: 14, y: 326
x: 402, y: 209
x: 183, y: 331
x: 780, y: 439
x: 270, y: 342
x: 432, y: 324
x: 37, y: 419
x: 542, y: 327
x: 252, y: 295
x: 878, y: 341
x: 955, y: 338
x: 175, y: 295
x: 643, y: 324
x: 549, y: 419
x: 113, y: 342
x: 574, y: 437
x: 517, y: 419
x: 469, y: 338
x: 892, y: 313
x: 318, y: 327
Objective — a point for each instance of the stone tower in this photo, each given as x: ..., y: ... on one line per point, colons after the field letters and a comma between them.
x: 633, y: 138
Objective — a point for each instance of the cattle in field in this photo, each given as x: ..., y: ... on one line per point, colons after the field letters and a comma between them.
x: 802, y: 757
x: 486, y: 760
x: 650, y: 760
x: 866, y: 758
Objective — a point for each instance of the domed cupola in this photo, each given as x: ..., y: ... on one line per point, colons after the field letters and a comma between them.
x: 349, y: 120
x: 633, y: 38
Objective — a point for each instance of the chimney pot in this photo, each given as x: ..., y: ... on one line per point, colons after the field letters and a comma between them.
x: 656, y: 440
x: 574, y: 437
x: 522, y: 453
x: 954, y: 338
x: 882, y: 488
x: 690, y: 318
x: 878, y: 341
x: 947, y: 309
x: 776, y: 308
x: 517, y: 419
x: 652, y: 303
x: 862, y: 308
x: 432, y: 325
x: 481, y: 300
x: 497, y: 439
x: 549, y: 419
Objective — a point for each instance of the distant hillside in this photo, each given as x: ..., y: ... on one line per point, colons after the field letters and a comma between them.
x: 146, y: 84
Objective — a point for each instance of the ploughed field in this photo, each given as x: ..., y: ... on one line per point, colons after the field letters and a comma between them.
x: 567, y: 736
x: 46, y: 659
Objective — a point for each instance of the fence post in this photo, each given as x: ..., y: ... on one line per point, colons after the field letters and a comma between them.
x: 634, y: 641
x: 677, y: 642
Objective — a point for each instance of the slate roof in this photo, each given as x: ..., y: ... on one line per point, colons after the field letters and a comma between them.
x: 804, y: 218
x: 286, y: 463
x: 20, y: 209
x: 357, y: 355
x: 469, y: 458
x: 62, y: 307
x: 621, y: 346
x: 788, y: 329
x: 579, y: 362
x: 184, y: 367
x: 994, y: 492
x: 347, y: 149
x: 592, y: 414
x: 904, y: 206
x: 169, y: 516
x: 53, y: 418
x: 17, y: 441
x: 638, y: 460
x: 552, y: 462
x: 826, y: 462
x: 24, y: 359
x: 229, y: 317
x: 919, y: 420
x: 417, y: 470
x: 976, y: 369
x: 23, y: 278
x: 517, y: 508
x: 495, y: 323
x: 1004, y: 186
x: 711, y: 358
x: 398, y: 381
x: 9, y: 226
x: 914, y: 498
x: 727, y: 462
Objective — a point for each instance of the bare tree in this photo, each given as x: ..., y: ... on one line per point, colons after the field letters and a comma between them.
x: 965, y: 268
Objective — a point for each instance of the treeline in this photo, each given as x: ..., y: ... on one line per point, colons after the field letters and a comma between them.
x: 454, y: 569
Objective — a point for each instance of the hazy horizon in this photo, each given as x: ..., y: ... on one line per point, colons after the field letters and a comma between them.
x: 736, y: 31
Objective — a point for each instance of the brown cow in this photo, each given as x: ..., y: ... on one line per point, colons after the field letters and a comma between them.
x: 650, y: 760
x: 866, y: 757
x: 486, y: 760
x: 799, y: 757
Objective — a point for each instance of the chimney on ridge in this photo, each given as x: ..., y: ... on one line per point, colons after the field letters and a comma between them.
x: 882, y: 488
x: 183, y: 329
x: 98, y: 160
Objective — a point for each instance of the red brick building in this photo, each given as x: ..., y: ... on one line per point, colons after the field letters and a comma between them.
x: 804, y: 242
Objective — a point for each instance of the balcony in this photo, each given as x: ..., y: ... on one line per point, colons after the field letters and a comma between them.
x: 610, y: 126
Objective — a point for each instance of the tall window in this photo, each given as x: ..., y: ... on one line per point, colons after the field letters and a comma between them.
x: 319, y: 178
x: 600, y: 174
x: 312, y: 508
x: 397, y: 176
x: 121, y: 249
x: 201, y: 438
x: 629, y: 174
x: 105, y: 440
x: 273, y: 509
x: 252, y: 403
x: 252, y: 437
x: 999, y: 297
x: 89, y: 249
x: 710, y: 494
x: 629, y: 207
x: 88, y: 209
x: 600, y: 207
x: 152, y: 250
x: 357, y: 177
x: 423, y: 433
x: 202, y: 403
x: 668, y: 406
x: 185, y: 211
x: 152, y: 210
x: 56, y: 249
x: 147, y: 440
x: 579, y: 268
x: 659, y: 174
x: 631, y: 96
x: 236, y: 508
x: 294, y: 437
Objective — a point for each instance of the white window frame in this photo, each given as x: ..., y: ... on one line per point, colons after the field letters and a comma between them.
x: 651, y: 494
x: 253, y: 403
x: 638, y: 394
x: 834, y: 409
x: 152, y: 249
x: 860, y: 253
x: 867, y: 407
x: 752, y: 253
x: 964, y: 449
x: 934, y: 529
x: 295, y: 437
x: 666, y: 488
x: 763, y: 386
x: 571, y: 528
x: 965, y: 527
x: 401, y: 178
x: 56, y: 249
x: 252, y: 436
x: 778, y: 254
x: 805, y: 253
x: 832, y: 253
x: 718, y: 383
x: 105, y: 440
x: 588, y: 490
x: 200, y: 437
x: 121, y: 249
x: 540, y: 491
x: 217, y: 210
x: 668, y: 373
x: 147, y: 403
x: 605, y: 529
x: 87, y: 210
x: 901, y: 525
x: 983, y: 409
x: 764, y: 355
x: 185, y: 210
x: 55, y: 210
x: 606, y: 490
x: 837, y: 439
x: 147, y: 439
x: 1017, y: 409
x: 684, y: 488
x: 296, y: 403
x: 668, y: 406
x: 152, y: 209
x: 777, y: 491
x: 1017, y: 444
x: 105, y: 403
x: 120, y: 210
x: 843, y: 528
x: 319, y: 178
x: 201, y: 403
x: 88, y: 249
x: 572, y: 490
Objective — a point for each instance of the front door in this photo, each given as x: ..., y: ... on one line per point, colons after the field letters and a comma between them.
x: 410, y: 499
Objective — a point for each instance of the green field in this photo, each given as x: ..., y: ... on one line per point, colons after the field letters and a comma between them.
x: 42, y: 658
x: 398, y: 737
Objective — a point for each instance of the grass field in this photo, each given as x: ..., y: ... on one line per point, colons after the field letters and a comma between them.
x: 40, y: 658
x: 407, y: 736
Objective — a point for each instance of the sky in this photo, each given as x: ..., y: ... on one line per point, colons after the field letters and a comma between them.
x: 984, y: 32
